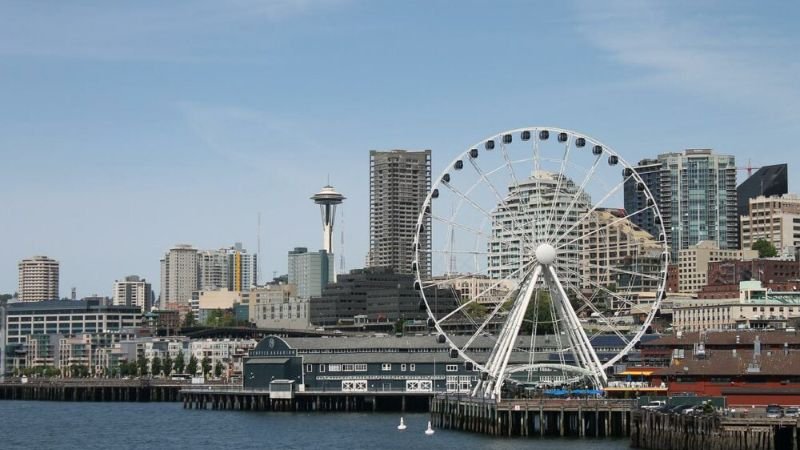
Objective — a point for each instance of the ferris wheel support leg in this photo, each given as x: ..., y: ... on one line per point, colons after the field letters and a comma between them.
x: 515, y: 324
x: 582, y: 339
x: 561, y: 302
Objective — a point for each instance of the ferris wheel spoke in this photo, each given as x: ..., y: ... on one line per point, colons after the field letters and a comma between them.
x: 597, y: 286
x: 554, y: 207
x: 446, y: 282
x: 461, y: 226
x: 623, y: 271
x: 592, y: 209
x: 480, y: 295
x: 493, y: 188
x: 488, y: 319
x: 606, y: 226
x: 578, y: 194
x: 476, y: 206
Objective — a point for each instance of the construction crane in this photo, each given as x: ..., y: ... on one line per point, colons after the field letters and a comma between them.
x: 749, y: 168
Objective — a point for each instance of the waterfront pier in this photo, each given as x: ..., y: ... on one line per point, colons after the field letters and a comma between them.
x: 90, y: 390
x: 652, y: 430
x: 533, y: 417
x: 238, y: 399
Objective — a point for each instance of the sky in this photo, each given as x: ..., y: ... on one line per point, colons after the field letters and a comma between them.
x: 128, y: 127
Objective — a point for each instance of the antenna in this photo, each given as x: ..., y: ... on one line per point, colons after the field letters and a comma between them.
x: 341, y: 243
x: 258, y: 251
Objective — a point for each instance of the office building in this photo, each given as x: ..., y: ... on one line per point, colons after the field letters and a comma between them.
x: 68, y: 318
x: 695, y: 191
x: 768, y: 181
x: 310, y: 272
x: 133, y: 291
x: 399, y: 182
x: 724, y: 276
x: 179, y: 276
x: 38, y: 279
x: 693, y: 263
x: 212, y: 270
x: 774, y: 219
x: 277, y: 306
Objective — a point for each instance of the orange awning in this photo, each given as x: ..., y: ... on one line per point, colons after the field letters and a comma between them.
x: 637, y: 372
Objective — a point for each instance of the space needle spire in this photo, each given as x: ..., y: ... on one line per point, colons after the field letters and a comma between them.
x: 327, y: 199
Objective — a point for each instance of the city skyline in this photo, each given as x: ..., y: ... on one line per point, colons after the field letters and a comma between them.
x: 132, y: 130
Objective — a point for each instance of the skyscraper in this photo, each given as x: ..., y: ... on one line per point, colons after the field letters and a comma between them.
x: 133, y: 291
x: 399, y: 182
x: 695, y: 191
x: 650, y: 170
x: 310, y: 272
x: 38, y: 279
x: 178, y: 276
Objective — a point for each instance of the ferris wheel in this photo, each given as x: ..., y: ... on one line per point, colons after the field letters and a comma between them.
x: 537, y: 259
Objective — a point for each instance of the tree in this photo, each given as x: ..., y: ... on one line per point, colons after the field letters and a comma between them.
x: 476, y: 310
x: 155, y: 366
x: 188, y: 320
x: 218, y: 369
x: 765, y: 248
x: 191, y: 368
x: 5, y: 297
x: 143, y: 366
x: 180, y: 363
x: 166, y: 365
x: 205, y: 365
x: 538, y: 310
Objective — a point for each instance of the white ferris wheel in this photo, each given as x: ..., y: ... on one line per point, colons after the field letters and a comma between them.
x: 537, y: 259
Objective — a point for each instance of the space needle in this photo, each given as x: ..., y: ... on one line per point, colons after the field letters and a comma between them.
x: 327, y: 199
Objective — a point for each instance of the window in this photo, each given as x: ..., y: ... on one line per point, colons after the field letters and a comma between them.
x: 412, y: 367
x: 334, y: 367
x: 309, y: 368
x: 360, y: 367
x: 402, y: 367
x: 347, y: 367
x: 451, y: 368
x: 321, y: 368
x: 386, y: 367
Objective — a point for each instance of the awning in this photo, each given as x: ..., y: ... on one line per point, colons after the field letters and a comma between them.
x: 267, y: 361
x: 637, y: 372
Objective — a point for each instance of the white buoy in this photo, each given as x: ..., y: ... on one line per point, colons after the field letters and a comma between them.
x: 429, y: 431
x: 402, y: 425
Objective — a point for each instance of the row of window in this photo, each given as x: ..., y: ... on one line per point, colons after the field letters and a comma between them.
x: 385, y: 367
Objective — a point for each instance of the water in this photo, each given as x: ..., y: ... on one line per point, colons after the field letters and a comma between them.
x: 46, y: 425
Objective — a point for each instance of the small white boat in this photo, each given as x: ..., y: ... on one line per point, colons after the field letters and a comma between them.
x: 429, y: 431
x: 402, y: 425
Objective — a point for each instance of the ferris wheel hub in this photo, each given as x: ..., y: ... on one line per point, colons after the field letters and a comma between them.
x: 545, y: 254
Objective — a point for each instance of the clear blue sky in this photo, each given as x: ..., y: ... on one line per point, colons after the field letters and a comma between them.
x: 127, y: 127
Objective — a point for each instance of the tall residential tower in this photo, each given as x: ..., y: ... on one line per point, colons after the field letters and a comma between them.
x: 695, y: 191
x: 399, y: 182
x: 38, y: 279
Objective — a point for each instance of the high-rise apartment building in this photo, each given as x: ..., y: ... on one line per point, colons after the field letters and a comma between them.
x: 38, y: 279
x: 310, y: 272
x: 179, y: 276
x: 399, y: 182
x: 212, y: 270
x: 242, y: 269
x: 695, y: 191
x: 133, y: 291
x: 651, y: 171
x: 774, y: 219
x: 538, y: 196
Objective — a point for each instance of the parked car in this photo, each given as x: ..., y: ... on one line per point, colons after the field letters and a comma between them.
x: 792, y: 411
x: 774, y: 411
x: 654, y: 404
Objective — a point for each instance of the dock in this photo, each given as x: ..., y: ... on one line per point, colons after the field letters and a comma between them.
x: 652, y: 430
x: 534, y: 417
x: 93, y: 390
x: 240, y: 399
